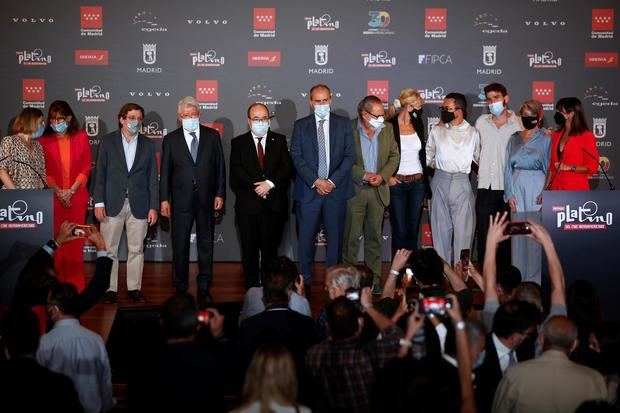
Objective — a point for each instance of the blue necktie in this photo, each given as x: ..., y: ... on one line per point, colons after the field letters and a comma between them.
x: 511, y: 359
x: 194, y: 146
x: 323, y: 172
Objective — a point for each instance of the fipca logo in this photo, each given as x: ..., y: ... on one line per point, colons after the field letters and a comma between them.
x: 35, y: 57
x: 381, y: 59
x: 31, y: 20
x: 436, y: 95
x: 489, y: 24
x: 545, y: 60
x: 91, y: 124
x: 544, y: 92
x: 599, y: 96
x: 489, y: 59
x: 15, y: 216
x: 264, y: 22
x: 545, y: 23
x: 431, y: 121
x: 436, y: 23
x: 602, y: 23
x: 379, y: 23
x: 582, y: 217
x: 380, y: 89
x: 92, y: 57
x: 149, y: 57
x: 93, y: 94
x: 207, y: 59
x: 321, y: 57
x: 601, y: 59
x: 321, y: 24
x: 207, y: 92
x: 260, y: 93
x: 148, y: 22
x: 264, y: 59
x: 432, y: 59
x: 151, y: 129
x: 91, y: 21
x: 33, y: 93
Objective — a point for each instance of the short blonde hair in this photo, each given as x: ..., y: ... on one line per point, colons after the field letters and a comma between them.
x: 27, y: 121
x: 407, y: 97
x: 187, y: 101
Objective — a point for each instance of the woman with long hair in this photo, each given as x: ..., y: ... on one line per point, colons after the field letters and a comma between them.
x: 68, y: 162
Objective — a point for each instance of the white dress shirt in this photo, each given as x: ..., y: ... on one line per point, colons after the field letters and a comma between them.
x: 503, y: 353
x: 452, y: 149
x: 129, y: 148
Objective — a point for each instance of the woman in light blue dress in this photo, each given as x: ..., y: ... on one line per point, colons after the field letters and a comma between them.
x: 527, y: 160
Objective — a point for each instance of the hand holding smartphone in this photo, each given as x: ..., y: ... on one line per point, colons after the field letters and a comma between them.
x: 517, y: 228
x: 82, y: 231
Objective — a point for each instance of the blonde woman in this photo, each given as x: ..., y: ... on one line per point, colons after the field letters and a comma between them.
x: 271, y: 382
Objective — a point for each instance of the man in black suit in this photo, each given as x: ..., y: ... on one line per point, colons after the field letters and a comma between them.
x: 192, y: 186
x: 260, y: 173
x: 126, y: 195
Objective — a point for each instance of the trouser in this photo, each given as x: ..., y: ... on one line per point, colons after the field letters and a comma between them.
x: 490, y: 202
x: 452, y: 214
x: 112, y: 229
x: 406, y: 201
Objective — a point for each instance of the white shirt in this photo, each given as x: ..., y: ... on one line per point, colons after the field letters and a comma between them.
x: 130, y: 155
x: 326, y: 129
x: 503, y: 353
x: 410, y: 146
x: 453, y: 148
x: 263, y: 143
x: 493, y: 142
x: 189, y: 138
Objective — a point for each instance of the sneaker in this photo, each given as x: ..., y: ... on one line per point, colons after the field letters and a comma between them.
x: 136, y: 296
x: 110, y: 297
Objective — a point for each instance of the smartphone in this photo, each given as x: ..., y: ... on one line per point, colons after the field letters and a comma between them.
x: 517, y: 228
x: 435, y: 305
x: 81, y: 231
x: 204, y: 316
x: 465, y: 258
x: 352, y: 294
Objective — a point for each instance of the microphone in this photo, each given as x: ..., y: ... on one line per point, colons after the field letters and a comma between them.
x: 35, y: 171
x: 611, y: 186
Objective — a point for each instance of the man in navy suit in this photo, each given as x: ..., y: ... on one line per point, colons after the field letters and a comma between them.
x: 192, y: 185
x: 323, y: 153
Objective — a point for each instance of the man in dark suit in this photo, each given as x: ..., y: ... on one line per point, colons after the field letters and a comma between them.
x: 260, y: 173
x: 192, y: 186
x: 126, y: 195
x: 323, y: 153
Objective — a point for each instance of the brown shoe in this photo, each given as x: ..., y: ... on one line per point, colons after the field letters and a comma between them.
x: 110, y: 297
x: 136, y: 296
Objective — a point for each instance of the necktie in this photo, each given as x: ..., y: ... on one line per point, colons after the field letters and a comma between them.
x: 511, y: 359
x: 194, y: 146
x: 323, y: 172
x: 261, y: 154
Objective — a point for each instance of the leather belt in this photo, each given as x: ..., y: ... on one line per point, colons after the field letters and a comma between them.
x: 408, y: 178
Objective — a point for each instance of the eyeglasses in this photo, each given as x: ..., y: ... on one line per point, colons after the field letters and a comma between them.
x: 192, y: 116
x: 447, y: 109
x: 263, y: 120
x: 58, y: 119
x: 375, y: 116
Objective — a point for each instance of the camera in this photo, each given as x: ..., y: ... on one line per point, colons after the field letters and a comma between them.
x: 434, y: 305
x: 204, y: 316
x: 517, y: 228
x: 464, y: 257
x: 352, y: 294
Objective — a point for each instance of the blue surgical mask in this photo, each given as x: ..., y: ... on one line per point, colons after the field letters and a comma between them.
x: 496, y: 108
x: 260, y: 127
x: 39, y: 132
x: 133, y: 126
x: 480, y: 361
x: 321, y: 110
x: 191, y: 124
x: 59, y: 127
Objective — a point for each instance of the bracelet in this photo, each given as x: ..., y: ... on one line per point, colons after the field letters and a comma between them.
x: 405, y: 343
x: 394, y: 272
x: 367, y: 305
x: 460, y: 325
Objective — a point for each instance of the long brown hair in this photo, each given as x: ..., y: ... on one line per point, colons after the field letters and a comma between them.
x: 60, y: 107
x: 271, y: 377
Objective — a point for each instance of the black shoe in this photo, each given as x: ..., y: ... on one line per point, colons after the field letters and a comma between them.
x: 110, y: 297
x: 136, y: 296
x: 204, y: 298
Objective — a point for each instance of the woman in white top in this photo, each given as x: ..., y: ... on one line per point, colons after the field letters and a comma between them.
x: 271, y: 382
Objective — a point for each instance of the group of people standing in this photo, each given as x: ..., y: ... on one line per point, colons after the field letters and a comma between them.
x: 346, y: 173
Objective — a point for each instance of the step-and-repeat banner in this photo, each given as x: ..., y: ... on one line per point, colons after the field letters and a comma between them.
x: 228, y: 54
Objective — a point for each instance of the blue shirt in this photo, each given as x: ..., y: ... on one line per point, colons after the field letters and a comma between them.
x: 370, y: 147
x: 534, y: 155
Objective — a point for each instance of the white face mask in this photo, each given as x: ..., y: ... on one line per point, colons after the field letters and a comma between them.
x: 260, y: 127
x: 376, y: 122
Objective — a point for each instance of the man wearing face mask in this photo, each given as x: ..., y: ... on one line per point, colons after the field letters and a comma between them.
x: 495, y: 130
x: 453, y: 145
x: 376, y: 159
x: 323, y: 152
x: 192, y: 186
x: 126, y: 195
x: 260, y: 174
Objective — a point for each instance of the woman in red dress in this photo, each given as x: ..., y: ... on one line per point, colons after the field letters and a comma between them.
x: 68, y: 163
x: 574, y: 156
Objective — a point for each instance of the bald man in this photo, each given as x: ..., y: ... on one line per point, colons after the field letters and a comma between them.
x: 550, y: 383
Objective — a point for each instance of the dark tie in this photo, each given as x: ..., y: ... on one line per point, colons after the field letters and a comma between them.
x: 194, y: 146
x: 323, y: 172
x: 511, y: 359
x: 261, y: 154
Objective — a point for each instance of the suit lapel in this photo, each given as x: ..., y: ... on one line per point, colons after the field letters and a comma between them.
x: 270, y: 146
x: 332, y: 141
x: 139, y: 150
x: 118, y: 145
x: 252, y: 151
x: 183, y: 143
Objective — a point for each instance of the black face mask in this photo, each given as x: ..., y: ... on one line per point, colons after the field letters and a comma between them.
x: 416, y: 113
x: 447, y: 117
x: 559, y: 119
x: 529, y: 122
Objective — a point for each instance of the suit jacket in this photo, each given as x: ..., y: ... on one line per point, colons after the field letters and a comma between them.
x: 387, y: 160
x: 179, y: 174
x: 488, y: 377
x: 305, y: 157
x: 112, y: 178
x: 418, y: 125
x: 244, y: 171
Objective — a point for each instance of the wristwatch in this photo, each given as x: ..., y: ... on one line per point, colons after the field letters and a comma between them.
x: 52, y: 244
x: 405, y: 343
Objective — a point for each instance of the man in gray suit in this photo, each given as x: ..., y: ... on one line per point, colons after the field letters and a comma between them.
x: 126, y: 194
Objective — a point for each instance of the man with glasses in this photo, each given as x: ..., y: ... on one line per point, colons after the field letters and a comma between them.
x: 126, y: 195
x: 260, y: 174
x: 451, y: 148
x: 376, y: 160
x: 192, y: 186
